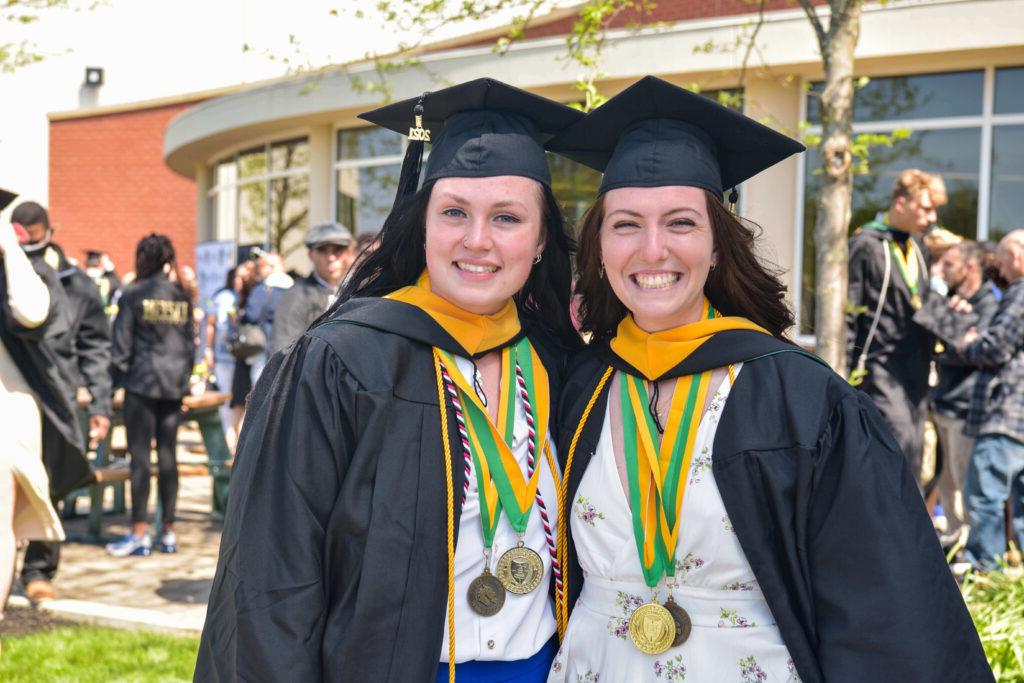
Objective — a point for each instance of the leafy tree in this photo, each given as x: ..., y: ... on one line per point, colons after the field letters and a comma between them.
x: 18, y: 53
x: 843, y: 155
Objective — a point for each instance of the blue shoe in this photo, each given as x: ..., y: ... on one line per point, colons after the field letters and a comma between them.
x: 168, y: 542
x: 129, y: 545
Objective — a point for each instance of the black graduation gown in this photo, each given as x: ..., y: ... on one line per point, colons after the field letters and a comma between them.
x: 333, y: 561
x: 825, y: 509
x: 34, y: 352
x: 900, y: 353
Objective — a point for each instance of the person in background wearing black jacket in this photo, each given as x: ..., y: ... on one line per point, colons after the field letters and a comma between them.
x: 153, y: 348
x: 33, y: 399
x: 971, y: 304
x: 886, y: 254
x: 332, y: 251
x: 85, y: 352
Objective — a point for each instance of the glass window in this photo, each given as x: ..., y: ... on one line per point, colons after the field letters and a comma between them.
x: 1010, y: 90
x: 574, y: 186
x: 289, y: 213
x: 365, y: 196
x: 252, y: 162
x: 953, y: 153
x: 226, y: 173
x: 1006, y: 207
x: 252, y: 213
x: 290, y: 154
x: 368, y: 143
x: 900, y: 98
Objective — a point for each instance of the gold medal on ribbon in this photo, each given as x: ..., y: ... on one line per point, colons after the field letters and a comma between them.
x: 915, y: 301
x: 652, y: 628
x: 486, y: 595
x: 520, y: 570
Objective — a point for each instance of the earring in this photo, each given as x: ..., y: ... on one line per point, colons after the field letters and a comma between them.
x: 600, y: 272
x: 536, y: 259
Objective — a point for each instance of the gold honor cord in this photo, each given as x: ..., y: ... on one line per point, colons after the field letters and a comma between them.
x: 442, y: 405
x: 909, y: 269
x: 563, y: 493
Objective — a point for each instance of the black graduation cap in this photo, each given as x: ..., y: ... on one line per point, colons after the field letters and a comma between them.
x: 6, y: 198
x: 477, y: 129
x: 655, y: 133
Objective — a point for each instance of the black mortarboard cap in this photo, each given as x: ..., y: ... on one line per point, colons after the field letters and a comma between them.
x: 655, y: 133
x: 6, y: 198
x: 477, y: 129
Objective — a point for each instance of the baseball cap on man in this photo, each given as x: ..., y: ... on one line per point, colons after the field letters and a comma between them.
x: 328, y: 233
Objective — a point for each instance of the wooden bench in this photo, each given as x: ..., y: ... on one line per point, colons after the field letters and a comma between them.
x: 203, y: 410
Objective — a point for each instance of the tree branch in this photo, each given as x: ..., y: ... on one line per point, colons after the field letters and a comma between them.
x: 812, y: 16
x: 751, y: 43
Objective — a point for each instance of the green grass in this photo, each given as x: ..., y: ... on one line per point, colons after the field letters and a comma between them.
x: 86, y: 654
x: 996, y: 601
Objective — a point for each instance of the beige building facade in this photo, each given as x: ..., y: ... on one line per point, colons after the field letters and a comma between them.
x: 271, y: 159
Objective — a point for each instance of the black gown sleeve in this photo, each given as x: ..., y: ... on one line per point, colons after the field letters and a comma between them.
x: 886, y: 605
x: 267, y: 608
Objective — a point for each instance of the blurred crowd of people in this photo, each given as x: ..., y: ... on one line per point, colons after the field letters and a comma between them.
x: 79, y: 344
x: 936, y: 338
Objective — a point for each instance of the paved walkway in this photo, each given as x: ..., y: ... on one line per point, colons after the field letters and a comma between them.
x: 161, y: 592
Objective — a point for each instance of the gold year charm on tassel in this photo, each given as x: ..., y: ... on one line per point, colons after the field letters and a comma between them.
x: 418, y: 132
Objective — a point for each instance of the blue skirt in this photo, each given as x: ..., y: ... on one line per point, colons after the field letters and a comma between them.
x: 531, y: 670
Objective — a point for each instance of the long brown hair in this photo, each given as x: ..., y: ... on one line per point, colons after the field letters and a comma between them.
x: 740, y: 284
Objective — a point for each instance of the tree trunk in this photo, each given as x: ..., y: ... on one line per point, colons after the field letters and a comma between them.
x: 830, y: 229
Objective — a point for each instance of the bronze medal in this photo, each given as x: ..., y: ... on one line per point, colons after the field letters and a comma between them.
x: 520, y: 570
x: 652, y: 628
x: 486, y: 595
x: 681, y: 619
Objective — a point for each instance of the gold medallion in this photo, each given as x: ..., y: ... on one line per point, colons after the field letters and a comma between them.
x: 915, y: 301
x: 486, y: 595
x: 681, y: 619
x: 652, y: 628
x: 520, y: 570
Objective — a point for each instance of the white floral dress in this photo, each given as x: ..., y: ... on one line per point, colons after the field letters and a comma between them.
x: 734, y: 635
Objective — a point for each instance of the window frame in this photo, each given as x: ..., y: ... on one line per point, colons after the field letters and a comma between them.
x: 986, y: 122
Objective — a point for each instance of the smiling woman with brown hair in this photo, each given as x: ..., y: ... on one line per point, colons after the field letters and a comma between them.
x: 731, y: 509
x: 394, y: 499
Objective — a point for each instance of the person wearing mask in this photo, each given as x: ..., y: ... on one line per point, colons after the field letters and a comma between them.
x: 731, y: 509
x: 888, y: 354
x: 394, y: 494
x: 331, y: 250
x: 85, y: 352
x: 33, y: 399
x: 101, y: 271
x: 995, y: 419
x: 153, y: 349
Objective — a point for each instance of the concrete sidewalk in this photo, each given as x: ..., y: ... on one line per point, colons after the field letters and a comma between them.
x: 160, y: 592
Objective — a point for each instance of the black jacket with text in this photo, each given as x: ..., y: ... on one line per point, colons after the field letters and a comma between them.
x: 154, y: 339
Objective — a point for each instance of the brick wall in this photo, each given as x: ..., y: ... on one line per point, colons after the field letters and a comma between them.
x: 109, y: 185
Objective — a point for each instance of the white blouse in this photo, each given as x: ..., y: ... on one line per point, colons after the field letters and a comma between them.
x: 525, y: 622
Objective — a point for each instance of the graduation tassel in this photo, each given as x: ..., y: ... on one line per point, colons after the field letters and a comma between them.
x: 409, y: 178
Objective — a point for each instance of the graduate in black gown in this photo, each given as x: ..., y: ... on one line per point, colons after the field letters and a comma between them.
x: 821, y: 499
x: 346, y: 512
x: 888, y: 282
